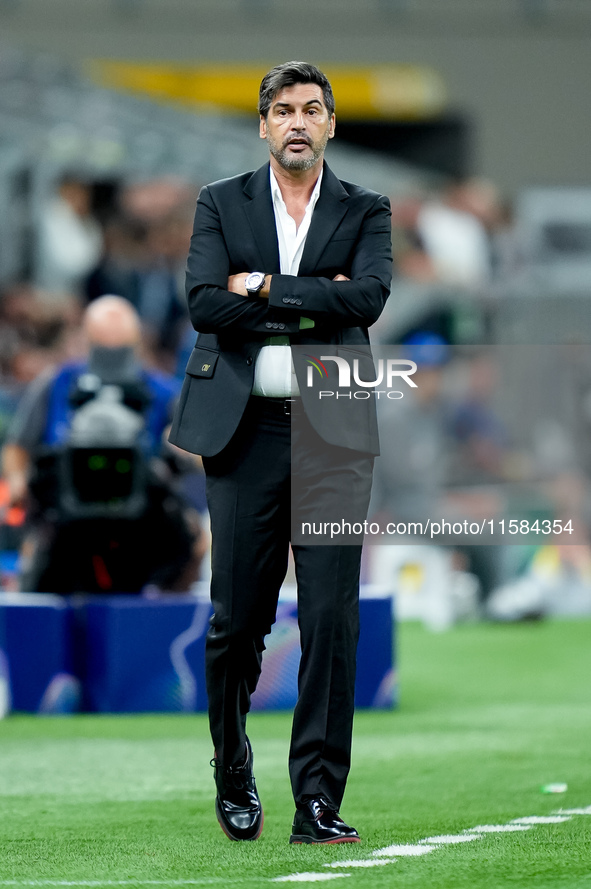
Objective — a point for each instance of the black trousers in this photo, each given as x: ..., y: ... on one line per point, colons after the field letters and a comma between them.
x: 250, y: 493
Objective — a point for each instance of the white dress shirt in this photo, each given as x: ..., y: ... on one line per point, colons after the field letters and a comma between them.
x: 274, y: 375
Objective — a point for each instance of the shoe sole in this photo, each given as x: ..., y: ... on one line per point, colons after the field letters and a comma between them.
x: 238, y: 839
x: 298, y: 840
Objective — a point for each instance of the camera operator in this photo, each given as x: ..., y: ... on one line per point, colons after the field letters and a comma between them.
x: 85, y: 454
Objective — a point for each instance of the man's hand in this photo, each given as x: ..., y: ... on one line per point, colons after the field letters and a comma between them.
x: 236, y: 285
x: 15, y: 468
x: 341, y: 278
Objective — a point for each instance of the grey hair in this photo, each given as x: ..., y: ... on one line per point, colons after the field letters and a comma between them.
x: 289, y: 74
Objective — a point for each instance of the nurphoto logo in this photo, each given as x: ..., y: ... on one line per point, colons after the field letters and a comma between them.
x: 389, y: 371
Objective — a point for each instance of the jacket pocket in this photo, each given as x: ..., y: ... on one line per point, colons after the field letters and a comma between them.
x: 202, y: 362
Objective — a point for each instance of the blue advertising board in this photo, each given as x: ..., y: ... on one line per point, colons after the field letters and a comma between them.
x: 38, y: 649
x: 144, y: 655
x: 131, y: 654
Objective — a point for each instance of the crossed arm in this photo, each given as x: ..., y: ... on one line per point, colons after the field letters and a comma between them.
x: 236, y: 284
x: 218, y: 300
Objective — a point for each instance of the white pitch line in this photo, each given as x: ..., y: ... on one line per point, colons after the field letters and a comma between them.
x: 585, y: 811
x: 308, y: 878
x: 389, y: 854
x: 369, y: 862
x: 402, y: 850
x: 498, y: 828
x: 449, y: 839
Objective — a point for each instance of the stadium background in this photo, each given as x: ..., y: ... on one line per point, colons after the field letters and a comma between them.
x: 516, y: 69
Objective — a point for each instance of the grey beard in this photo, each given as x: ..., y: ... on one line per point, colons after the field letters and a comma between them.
x: 296, y: 163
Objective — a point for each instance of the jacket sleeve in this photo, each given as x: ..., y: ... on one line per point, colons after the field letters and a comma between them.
x: 213, y: 308
x: 355, y: 303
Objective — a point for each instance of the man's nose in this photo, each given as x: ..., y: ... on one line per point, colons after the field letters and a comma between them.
x: 298, y: 122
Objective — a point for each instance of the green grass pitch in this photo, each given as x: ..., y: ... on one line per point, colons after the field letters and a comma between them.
x: 488, y: 714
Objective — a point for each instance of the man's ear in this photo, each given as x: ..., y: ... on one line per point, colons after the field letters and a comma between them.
x: 333, y: 123
x: 263, y: 127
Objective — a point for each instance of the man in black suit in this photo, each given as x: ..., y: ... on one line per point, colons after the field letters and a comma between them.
x: 285, y: 256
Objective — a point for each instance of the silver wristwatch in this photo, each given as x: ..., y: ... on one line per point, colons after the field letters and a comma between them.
x: 254, y: 283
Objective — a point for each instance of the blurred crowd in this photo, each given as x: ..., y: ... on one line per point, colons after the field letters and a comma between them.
x: 131, y: 242
x: 462, y: 236
x: 455, y: 431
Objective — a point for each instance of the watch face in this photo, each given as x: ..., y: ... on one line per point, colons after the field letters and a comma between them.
x: 254, y: 281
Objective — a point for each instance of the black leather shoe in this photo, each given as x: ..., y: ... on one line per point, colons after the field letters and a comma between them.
x: 317, y: 821
x: 237, y: 804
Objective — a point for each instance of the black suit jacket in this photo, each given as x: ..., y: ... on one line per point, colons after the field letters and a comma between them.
x: 234, y: 232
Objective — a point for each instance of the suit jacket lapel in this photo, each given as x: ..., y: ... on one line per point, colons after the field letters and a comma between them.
x: 260, y: 214
x: 328, y: 213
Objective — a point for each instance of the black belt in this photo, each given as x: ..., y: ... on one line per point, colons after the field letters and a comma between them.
x: 285, y: 406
